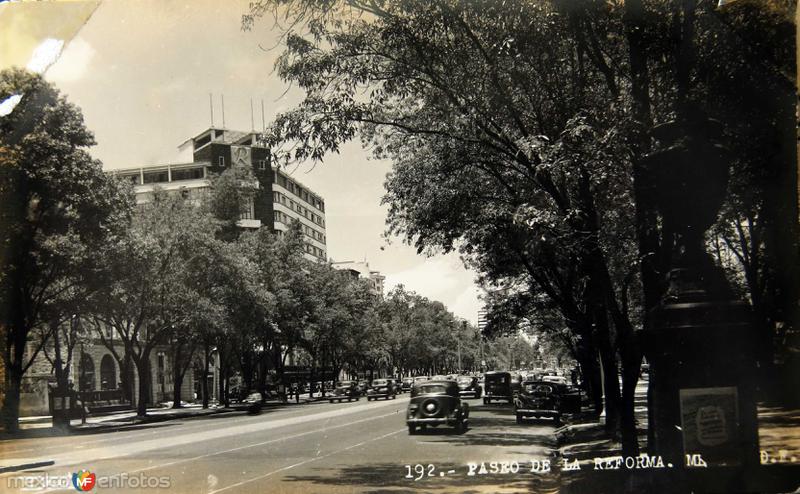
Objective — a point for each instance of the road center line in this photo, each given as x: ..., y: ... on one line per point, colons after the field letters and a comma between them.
x: 304, y: 462
x: 239, y: 448
x: 103, y: 453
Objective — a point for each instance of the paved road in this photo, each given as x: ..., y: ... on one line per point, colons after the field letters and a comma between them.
x: 317, y: 448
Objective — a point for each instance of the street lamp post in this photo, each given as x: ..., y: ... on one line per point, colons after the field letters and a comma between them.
x: 700, y: 340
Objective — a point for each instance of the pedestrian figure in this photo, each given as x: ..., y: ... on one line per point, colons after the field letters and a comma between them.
x: 282, y: 392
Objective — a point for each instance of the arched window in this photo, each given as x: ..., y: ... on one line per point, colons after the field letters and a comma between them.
x: 86, y: 373
x: 108, y: 373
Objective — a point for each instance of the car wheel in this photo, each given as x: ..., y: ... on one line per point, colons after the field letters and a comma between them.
x: 557, y: 420
x: 412, y: 429
x: 331, y: 401
x: 486, y: 401
x: 519, y: 418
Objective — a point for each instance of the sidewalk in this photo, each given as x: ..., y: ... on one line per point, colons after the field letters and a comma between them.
x: 155, y: 414
x: 585, y: 440
x: 42, y: 426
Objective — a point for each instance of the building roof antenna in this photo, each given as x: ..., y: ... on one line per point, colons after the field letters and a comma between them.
x: 211, y: 107
x: 252, y: 124
x: 223, y: 110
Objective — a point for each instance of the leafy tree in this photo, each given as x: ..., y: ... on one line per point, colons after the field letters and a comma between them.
x: 537, y: 174
x: 59, y: 208
x: 232, y: 194
x: 148, y: 300
x: 281, y: 273
x: 461, y: 95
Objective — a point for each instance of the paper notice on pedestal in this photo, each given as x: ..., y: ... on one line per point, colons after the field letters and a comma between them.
x: 710, y: 423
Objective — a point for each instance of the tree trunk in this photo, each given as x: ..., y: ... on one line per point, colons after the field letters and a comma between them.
x: 631, y: 366
x: 590, y: 372
x: 180, y: 366
x: 177, y: 376
x: 13, y: 357
x: 143, y: 369
x: 204, y: 378
x: 11, y: 397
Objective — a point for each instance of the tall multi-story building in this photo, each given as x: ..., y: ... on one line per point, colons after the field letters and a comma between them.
x: 279, y: 198
x: 360, y: 269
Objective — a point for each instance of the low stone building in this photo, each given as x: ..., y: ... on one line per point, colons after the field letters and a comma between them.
x: 96, y: 374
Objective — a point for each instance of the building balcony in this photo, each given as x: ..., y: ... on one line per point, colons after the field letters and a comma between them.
x: 249, y: 223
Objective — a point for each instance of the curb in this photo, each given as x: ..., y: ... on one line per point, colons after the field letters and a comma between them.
x: 27, y: 466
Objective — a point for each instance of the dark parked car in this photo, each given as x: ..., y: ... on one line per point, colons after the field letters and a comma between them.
x: 497, y: 386
x: 381, y: 388
x: 436, y: 403
x: 407, y: 383
x: 539, y: 399
x: 345, y: 390
x: 468, y: 385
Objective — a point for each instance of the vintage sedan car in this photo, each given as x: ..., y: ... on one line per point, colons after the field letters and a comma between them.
x: 538, y: 399
x: 406, y: 384
x: 497, y: 387
x: 381, y: 388
x: 468, y: 385
x: 435, y: 403
x: 345, y: 390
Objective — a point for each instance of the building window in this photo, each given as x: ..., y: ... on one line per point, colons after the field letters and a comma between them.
x: 221, y: 161
x: 187, y: 174
x: 262, y: 164
x: 155, y: 177
x: 247, y: 212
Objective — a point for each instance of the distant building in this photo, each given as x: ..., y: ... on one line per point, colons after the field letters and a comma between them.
x: 360, y: 269
x: 279, y: 199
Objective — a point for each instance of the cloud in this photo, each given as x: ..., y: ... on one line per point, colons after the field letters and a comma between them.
x: 74, y: 63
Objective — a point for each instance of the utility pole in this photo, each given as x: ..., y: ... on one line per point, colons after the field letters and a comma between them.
x: 461, y: 335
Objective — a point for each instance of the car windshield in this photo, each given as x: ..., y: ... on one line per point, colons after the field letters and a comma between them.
x: 538, y: 389
x: 432, y: 389
x: 408, y: 380
x: 501, y: 378
x: 464, y: 380
x: 345, y: 384
x: 379, y: 382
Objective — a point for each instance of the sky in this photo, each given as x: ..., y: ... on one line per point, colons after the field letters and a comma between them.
x: 142, y: 72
